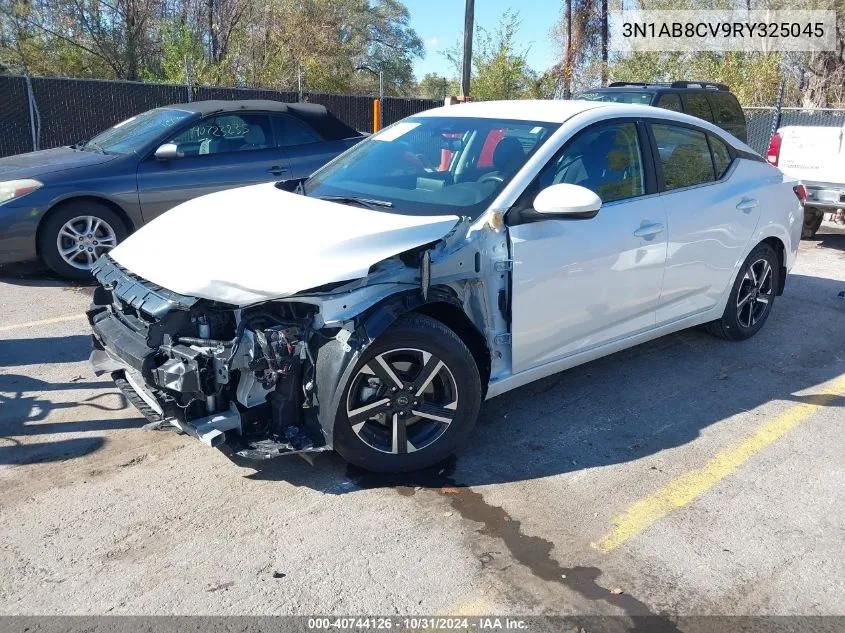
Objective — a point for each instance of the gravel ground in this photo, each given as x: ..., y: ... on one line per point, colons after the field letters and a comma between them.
x: 99, y: 516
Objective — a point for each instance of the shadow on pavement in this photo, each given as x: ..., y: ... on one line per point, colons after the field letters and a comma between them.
x: 47, y: 350
x: 828, y: 237
x: 24, y: 410
x: 41, y: 452
x: 36, y: 275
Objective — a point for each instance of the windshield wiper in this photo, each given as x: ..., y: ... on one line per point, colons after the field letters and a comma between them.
x: 367, y: 202
x: 93, y: 146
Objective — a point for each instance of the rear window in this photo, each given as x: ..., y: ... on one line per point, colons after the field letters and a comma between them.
x: 684, y: 156
x: 721, y: 156
x: 697, y: 105
x: 726, y: 109
x: 670, y: 101
x: 617, y: 96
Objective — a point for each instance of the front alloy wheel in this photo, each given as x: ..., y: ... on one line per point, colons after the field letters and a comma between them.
x: 402, y: 400
x: 411, y: 400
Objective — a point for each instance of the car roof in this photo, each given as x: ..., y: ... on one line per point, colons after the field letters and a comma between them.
x: 546, y: 110
x: 708, y: 86
x: 330, y: 127
x: 559, y: 111
x: 220, y: 105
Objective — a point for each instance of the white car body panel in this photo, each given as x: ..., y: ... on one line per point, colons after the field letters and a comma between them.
x: 582, y: 283
x: 709, y: 230
x: 253, y: 244
x: 694, y: 247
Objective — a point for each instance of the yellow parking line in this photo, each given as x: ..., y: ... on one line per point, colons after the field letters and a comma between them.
x: 689, y: 486
x: 20, y: 326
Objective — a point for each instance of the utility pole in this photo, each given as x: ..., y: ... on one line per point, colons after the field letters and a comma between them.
x: 567, y: 61
x: 299, y: 81
x: 604, y: 36
x: 466, y: 68
x: 381, y: 99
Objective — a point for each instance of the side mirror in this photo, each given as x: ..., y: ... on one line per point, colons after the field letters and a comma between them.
x: 168, y: 151
x: 567, y: 202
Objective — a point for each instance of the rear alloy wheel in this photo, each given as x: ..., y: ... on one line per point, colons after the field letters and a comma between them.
x: 751, y: 298
x: 78, y: 234
x: 411, y: 400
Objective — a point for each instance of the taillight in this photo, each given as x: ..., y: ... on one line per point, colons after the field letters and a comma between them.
x: 801, y: 192
x: 773, y: 153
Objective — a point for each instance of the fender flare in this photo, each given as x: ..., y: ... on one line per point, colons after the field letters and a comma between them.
x: 334, y: 365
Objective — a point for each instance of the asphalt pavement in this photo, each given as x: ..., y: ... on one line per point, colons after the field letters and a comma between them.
x: 686, y: 476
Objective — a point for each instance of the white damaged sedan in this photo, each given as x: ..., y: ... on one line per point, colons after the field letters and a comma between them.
x: 455, y: 255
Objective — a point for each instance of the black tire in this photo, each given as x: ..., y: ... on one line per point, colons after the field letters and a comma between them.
x: 112, y: 226
x: 412, y: 333
x: 739, y: 324
x: 813, y: 218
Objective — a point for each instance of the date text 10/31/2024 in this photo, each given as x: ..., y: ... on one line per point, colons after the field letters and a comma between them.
x: 421, y: 623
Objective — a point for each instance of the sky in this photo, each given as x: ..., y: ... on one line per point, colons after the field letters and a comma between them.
x: 440, y: 23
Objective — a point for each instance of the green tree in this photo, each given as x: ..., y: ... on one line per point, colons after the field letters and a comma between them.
x: 333, y: 44
x: 434, y: 86
x: 500, y: 68
x: 752, y: 77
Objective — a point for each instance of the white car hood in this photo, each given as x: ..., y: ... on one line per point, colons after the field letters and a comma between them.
x: 257, y: 243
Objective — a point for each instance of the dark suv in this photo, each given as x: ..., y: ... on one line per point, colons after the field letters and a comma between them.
x: 706, y: 100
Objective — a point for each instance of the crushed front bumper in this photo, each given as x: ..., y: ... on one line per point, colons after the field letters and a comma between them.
x: 127, y: 329
x: 200, y: 368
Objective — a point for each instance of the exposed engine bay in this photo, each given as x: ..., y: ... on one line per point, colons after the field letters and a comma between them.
x: 265, y: 380
x: 212, y: 370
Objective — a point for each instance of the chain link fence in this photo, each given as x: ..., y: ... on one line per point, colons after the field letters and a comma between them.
x: 764, y: 121
x: 46, y: 112
x: 760, y: 122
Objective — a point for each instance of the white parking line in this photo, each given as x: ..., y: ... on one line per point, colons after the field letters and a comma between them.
x: 63, y: 319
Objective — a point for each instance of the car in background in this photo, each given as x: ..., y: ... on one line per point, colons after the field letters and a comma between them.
x: 706, y: 100
x: 815, y: 156
x: 453, y: 256
x: 69, y: 205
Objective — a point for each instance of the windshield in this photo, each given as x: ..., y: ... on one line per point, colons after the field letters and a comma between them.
x: 432, y: 165
x: 135, y: 133
x: 643, y: 98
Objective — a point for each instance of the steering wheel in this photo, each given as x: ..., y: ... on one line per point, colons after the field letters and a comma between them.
x: 420, y: 159
x: 492, y: 177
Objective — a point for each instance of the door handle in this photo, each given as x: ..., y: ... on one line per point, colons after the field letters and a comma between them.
x: 649, y: 230
x: 746, y: 204
x: 276, y: 170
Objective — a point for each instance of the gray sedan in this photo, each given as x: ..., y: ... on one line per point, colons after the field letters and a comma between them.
x: 69, y: 205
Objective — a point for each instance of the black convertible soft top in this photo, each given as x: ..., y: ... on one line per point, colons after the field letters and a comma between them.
x: 317, y: 116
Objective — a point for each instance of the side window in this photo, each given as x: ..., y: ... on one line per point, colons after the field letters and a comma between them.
x: 726, y: 109
x: 670, y: 101
x: 290, y: 131
x: 721, y: 155
x: 605, y: 159
x: 697, y: 105
x: 684, y: 156
x: 225, y: 133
